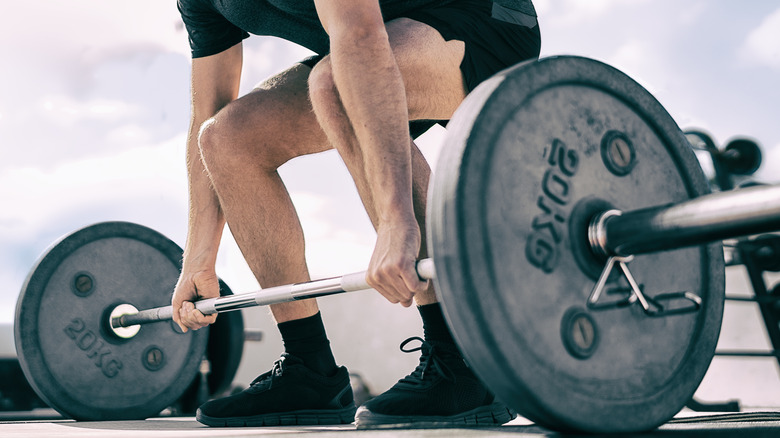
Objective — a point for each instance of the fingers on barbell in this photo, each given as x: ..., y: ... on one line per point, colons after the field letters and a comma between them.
x: 397, y: 287
x: 176, y: 309
x: 192, y: 318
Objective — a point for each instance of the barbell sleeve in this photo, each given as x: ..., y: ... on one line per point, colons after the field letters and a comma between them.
x: 263, y: 297
x: 701, y: 220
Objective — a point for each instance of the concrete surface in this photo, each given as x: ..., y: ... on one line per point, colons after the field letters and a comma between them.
x: 762, y: 424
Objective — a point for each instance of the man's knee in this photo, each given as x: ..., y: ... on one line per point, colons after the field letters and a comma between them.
x: 322, y: 86
x: 230, y: 139
x: 213, y: 144
x: 207, y: 138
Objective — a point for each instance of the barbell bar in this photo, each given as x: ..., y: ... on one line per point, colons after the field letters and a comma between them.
x: 702, y: 220
x: 263, y: 297
x: 710, y: 218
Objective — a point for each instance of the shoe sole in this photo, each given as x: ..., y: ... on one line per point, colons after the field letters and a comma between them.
x: 495, y: 414
x: 294, y: 418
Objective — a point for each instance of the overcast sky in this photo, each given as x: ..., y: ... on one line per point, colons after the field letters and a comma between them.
x: 94, y: 108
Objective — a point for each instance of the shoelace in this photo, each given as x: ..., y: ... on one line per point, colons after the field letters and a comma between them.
x: 268, y: 377
x: 431, y: 363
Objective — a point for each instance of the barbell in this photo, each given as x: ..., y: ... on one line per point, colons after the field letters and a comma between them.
x: 575, y: 251
x: 610, y: 233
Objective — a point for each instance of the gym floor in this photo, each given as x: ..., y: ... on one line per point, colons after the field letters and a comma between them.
x: 46, y: 423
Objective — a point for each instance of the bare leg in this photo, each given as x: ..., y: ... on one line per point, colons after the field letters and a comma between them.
x: 434, y: 88
x: 242, y: 147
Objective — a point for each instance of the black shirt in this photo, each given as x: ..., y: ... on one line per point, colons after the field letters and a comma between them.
x: 216, y: 25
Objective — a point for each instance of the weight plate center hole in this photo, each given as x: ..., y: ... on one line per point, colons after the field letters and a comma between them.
x: 589, y: 262
x: 122, y: 332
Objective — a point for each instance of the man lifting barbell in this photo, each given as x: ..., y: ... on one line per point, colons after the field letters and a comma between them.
x: 380, y: 64
x: 554, y: 176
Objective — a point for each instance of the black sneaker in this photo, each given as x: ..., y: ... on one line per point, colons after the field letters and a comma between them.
x: 289, y: 394
x: 441, y: 392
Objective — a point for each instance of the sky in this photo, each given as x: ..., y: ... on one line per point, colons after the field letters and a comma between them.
x: 94, y: 107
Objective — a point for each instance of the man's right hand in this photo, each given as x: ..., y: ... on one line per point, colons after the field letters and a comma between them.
x: 194, y: 285
x: 392, y: 268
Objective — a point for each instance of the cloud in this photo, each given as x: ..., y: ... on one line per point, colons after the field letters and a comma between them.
x: 122, y: 103
x: 267, y: 56
x: 78, y: 55
x: 633, y: 57
x: 65, y: 111
x: 690, y: 13
x: 91, y: 29
x: 761, y: 45
x: 43, y: 195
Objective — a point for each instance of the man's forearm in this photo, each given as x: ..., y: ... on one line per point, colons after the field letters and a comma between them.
x: 215, y: 83
x: 372, y: 91
x: 359, y: 97
x: 206, y: 220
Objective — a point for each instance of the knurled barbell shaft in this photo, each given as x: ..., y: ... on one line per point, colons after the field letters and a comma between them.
x: 272, y: 295
x: 702, y: 220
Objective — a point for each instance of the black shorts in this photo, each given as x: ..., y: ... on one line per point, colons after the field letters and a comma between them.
x: 496, y: 38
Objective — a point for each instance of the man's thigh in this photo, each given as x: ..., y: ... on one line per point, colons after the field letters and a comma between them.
x: 430, y: 68
x: 445, y: 50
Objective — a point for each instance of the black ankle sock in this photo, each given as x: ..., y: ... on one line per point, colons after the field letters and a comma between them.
x: 435, y: 328
x: 306, y: 339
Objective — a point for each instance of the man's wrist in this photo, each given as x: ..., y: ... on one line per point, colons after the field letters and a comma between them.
x: 199, y: 260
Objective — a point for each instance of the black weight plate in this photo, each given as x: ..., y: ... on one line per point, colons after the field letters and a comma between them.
x: 62, y: 339
x: 530, y: 156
